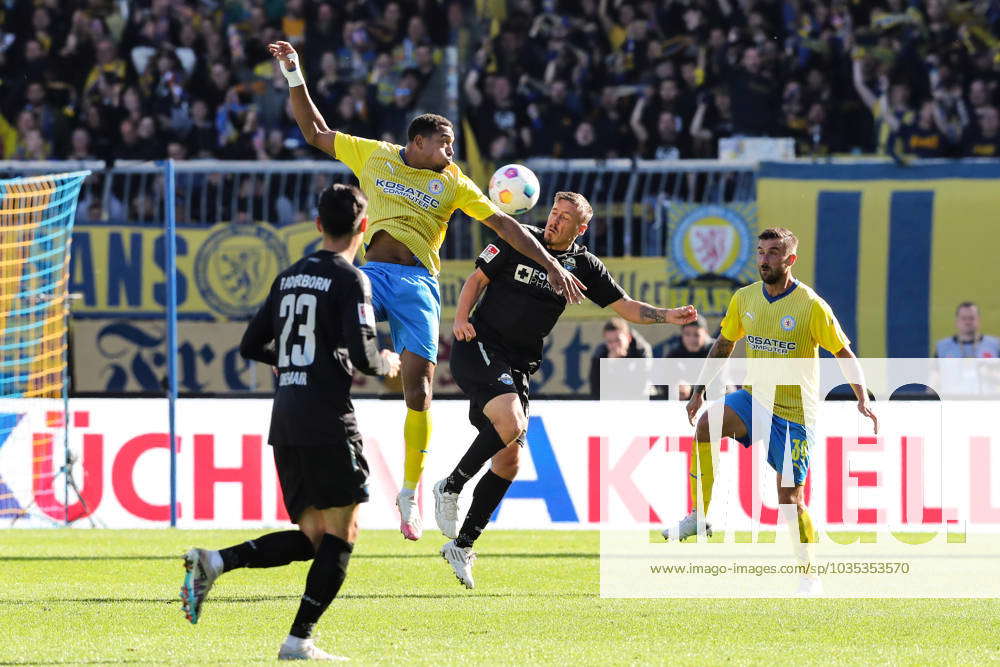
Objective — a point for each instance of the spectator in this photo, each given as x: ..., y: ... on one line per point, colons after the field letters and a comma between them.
x: 323, y: 33
x: 713, y: 120
x: 584, y: 144
x: 358, y: 52
x: 554, y: 123
x: 423, y: 66
x: 149, y: 138
x: 611, y: 125
x: 968, y: 343
x: 272, y: 147
x: 271, y: 100
x: 107, y: 61
x: 80, y: 145
x: 129, y: 147
x: 202, y: 138
x: 620, y: 341
x: 394, y: 118
x: 32, y: 146
x: 131, y: 104
x: 329, y: 89
x: 694, y: 343
x: 497, y: 112
x: 928, y: 137
x: 416, y: 36
x: 348, y: 116
x: 387, y: 31
x: 215, y: 89
x: 756, y: 91
x: 712, y: 69
x: 983, y: 140
x: 664, y: 144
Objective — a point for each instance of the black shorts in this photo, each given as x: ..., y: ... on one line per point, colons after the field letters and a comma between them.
x: 483, y: 373
x: 322, y: 477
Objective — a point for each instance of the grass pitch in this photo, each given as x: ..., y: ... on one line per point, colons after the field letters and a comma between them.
x: 94, y: 596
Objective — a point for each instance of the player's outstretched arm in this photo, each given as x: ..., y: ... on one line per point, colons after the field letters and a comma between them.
x: 644, y: 313
x: 849, y: 364
x: 562, y: 281
x: 307, y: 116
x: 722, y: 348
x: 471, y: 290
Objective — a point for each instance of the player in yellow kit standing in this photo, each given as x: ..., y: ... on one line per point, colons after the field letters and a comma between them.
x: 781, y: 318
x: 412, y: 192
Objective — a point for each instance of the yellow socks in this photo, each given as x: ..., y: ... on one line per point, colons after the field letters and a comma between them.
x: 806, y: 531
x: 701, y: 471
x: 417, y: 436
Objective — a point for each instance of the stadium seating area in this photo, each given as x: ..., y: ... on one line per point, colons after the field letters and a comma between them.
x: 590, y: 78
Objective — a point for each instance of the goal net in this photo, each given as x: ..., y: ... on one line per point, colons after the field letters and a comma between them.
x: 36, y: 222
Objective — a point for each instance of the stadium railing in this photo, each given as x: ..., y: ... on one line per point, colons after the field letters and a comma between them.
x: 630, y: 198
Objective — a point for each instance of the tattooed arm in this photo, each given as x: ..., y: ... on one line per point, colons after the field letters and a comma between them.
x: 643, y: 313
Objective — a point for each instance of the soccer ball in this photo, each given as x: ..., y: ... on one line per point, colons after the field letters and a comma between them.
x: 514, y: 189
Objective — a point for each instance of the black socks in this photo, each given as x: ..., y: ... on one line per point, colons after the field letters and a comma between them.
x: 326, y: 574
x: 482, y: 449
x: 269, y: 550
x: 486, y: 498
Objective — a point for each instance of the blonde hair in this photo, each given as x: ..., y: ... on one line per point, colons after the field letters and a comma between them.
x: 578, y: 200
x: 783, y: 234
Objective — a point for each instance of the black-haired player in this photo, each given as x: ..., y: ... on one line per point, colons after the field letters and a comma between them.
x: 496, y: 350
x: 315, y: 327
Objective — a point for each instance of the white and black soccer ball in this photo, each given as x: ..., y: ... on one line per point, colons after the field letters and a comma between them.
x: 514, y: 189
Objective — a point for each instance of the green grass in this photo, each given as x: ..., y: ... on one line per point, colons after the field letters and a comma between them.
x: 93, y: 596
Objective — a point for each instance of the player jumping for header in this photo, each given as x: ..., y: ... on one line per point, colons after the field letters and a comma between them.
x: 501, y: 344
x: 412, y: 193
x: 781, y: 318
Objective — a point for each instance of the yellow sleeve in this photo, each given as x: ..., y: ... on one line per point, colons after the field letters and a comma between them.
x: 471, y: 199
x: 825, y: 329
x: 732, y: 323
x: 353, y: 151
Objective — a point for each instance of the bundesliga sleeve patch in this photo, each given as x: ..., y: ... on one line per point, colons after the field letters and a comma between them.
x: 489, y: 253
x: 366, y: 315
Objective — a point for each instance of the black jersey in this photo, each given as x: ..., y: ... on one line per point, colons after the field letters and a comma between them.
x: 316, y: 326
x: 518, y: 308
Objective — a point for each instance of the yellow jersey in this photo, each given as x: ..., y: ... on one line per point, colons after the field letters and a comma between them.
x: 792, y: 325
x: 412, y: 205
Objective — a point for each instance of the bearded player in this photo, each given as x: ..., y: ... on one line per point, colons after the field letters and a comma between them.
x: 781, y: 318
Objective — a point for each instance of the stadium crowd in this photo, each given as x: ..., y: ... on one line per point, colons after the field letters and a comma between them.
x: 146, y: 79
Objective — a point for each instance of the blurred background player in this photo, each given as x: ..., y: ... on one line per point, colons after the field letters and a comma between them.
x: 317, y: 316
x: 413, y: 192
x: 501, y: 345
x: 781, y: 318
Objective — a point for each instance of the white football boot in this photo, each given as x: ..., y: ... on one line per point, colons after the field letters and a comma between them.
x: 461, y: 560
x: 687, y: 527
x: 411, y: 524
x: 446, y: 510
x: 810, y: 586
x: 305, y: 649
x: 203, y: 567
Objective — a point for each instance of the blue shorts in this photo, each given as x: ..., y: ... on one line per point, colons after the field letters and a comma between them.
x: 408, y: 298
x: 783, y: 435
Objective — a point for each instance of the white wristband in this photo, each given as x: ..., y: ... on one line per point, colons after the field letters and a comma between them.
x: 294, y: 77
